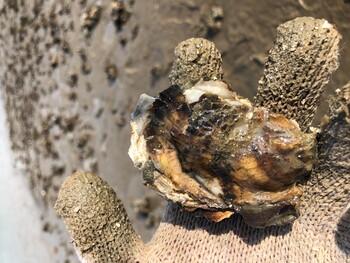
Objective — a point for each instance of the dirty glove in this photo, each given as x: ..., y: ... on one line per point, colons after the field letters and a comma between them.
x: 299, y: 66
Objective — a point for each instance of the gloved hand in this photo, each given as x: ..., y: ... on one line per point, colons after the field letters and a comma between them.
x: 299, y: 66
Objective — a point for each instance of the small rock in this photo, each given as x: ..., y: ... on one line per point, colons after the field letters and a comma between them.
x: 214, y: 19
x: 120, y: 14
x: 111, y: 71
x: 72, y: 80
x: 91, y: 17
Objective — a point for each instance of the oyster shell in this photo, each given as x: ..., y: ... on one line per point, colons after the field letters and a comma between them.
x: 211, y: 151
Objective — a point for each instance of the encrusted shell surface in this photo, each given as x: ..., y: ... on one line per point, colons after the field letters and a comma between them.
x: 211, y: 151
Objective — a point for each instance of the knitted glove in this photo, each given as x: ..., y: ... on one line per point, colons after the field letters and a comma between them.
x: 299, y: 66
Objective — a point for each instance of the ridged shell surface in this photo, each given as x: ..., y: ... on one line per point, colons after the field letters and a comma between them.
x: 211, y: 151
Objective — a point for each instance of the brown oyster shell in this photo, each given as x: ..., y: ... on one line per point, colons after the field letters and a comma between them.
x: 211, y: 151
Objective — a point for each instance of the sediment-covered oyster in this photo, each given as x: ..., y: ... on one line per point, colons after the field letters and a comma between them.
x: 211, y: 151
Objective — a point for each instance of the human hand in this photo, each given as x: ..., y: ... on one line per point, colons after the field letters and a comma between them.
x: 300, y: 63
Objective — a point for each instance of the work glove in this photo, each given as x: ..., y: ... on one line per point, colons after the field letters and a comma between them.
x: 299, y: 66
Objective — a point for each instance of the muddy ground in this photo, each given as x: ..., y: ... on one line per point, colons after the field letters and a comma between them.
x: 71, y: 73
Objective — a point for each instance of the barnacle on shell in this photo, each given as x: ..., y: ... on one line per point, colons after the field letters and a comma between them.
x: 211, y: 151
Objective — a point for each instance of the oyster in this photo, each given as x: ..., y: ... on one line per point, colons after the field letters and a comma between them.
x: 213, y: 152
